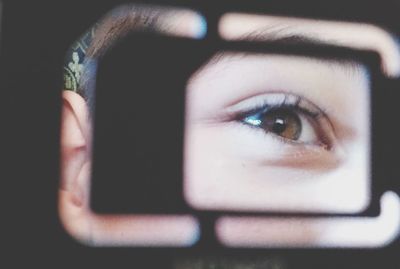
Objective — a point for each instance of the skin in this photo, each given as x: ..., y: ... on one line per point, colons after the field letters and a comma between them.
x: 229, y: 165
x: 232, y: 166
x: 76, y: 139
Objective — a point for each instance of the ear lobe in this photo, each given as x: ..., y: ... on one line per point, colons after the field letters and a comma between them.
x: 75, y: 164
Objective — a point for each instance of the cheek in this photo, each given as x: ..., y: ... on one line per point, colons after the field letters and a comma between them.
x: 213, y: 171
x: 226, y: 170
x: 206, y: 159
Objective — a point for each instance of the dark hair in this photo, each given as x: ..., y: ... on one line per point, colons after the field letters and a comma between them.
x: 102, y: 37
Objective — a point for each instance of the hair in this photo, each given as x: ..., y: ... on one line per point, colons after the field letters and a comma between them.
x: 113, y: 27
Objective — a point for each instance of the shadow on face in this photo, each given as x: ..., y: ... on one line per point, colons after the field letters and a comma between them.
x: 263, y: 132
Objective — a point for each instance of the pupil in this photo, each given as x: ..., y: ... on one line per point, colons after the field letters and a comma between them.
x: 279, y: 126
x: 283, y: 123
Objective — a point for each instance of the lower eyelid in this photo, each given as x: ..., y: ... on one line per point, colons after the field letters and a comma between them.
x: 267, y: 149
x: 326, y: 143
x: 306, y: 158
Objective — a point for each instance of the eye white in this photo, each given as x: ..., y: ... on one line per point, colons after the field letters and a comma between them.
x: 308, y: 133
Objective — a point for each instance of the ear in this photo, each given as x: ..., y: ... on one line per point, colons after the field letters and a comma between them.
x: 75, y: 165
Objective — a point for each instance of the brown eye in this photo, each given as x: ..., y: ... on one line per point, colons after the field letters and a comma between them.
x: 288, y: 122
x: 282, y: 122
x: 289, y: 117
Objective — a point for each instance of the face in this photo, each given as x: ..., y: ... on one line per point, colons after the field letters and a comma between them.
x: 276, y: 132
x: 263, y: 132
x: 281, y: 133
x: 179, y: 230
x: 269, y: 132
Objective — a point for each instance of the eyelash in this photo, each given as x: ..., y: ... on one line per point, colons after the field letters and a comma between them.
x: 294, y: 105
x: 283, y: 105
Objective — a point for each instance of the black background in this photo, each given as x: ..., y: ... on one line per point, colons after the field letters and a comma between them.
x: 34, y: 39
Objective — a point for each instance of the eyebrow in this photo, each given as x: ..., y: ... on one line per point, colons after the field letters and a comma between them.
x: 294, y: 36
x: 283, y: 36
x: 292, y: 41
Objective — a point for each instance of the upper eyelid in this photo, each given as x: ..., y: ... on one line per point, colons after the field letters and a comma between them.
x: 224, y: 59
x: 258, y: 101
x: 227, y: 109
x: 319, y: 114
x: 311, y: 114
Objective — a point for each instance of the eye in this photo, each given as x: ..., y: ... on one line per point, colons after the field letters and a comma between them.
x: 282, y: 122
x: 294, y: 120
